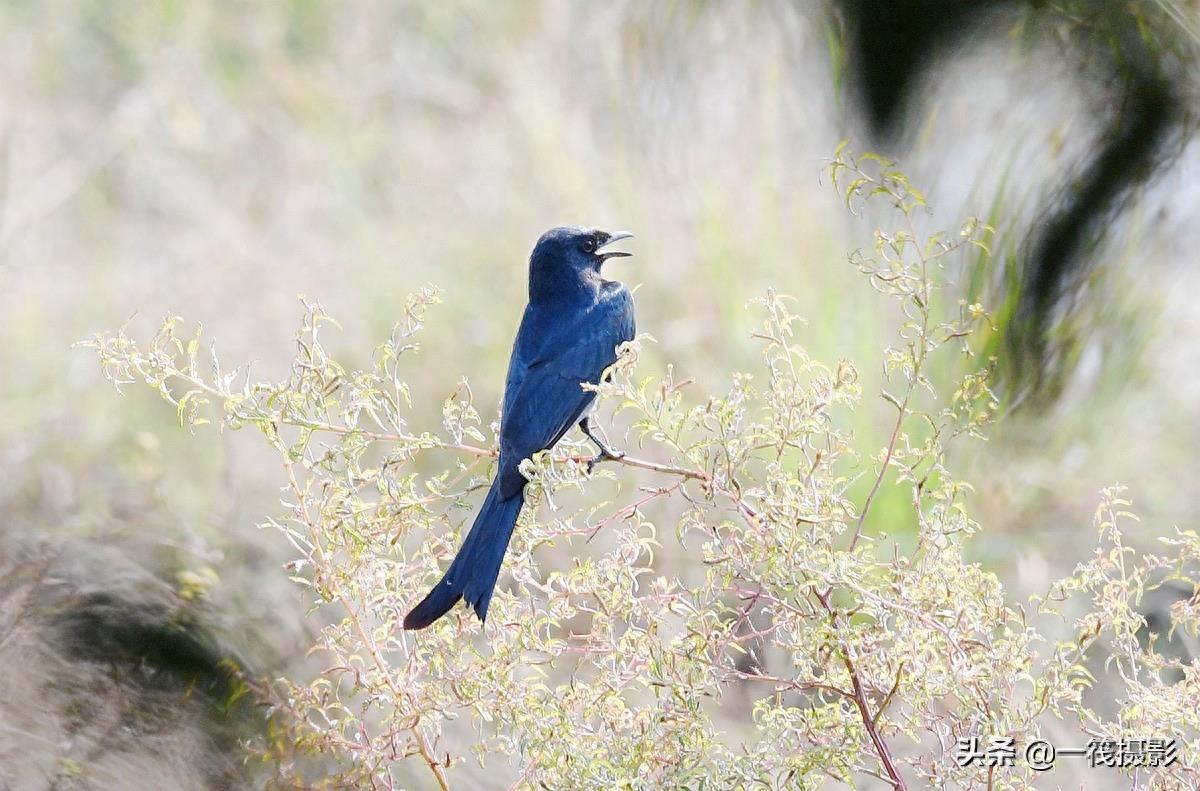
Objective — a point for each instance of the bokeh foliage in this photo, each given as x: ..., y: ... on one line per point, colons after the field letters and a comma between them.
x: 862, y: 654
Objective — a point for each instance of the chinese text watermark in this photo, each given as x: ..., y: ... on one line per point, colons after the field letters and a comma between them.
x: 1040, y: 754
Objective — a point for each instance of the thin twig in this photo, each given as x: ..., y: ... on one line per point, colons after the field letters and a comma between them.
x: 422, y: 743
x: 632, y: 508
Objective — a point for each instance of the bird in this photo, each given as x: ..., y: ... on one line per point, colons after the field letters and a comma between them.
x: 573, y: 324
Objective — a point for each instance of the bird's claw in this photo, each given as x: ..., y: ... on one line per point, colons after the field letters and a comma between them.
x: 604, y: 455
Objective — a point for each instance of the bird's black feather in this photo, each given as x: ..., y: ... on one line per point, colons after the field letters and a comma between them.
x: 568, y: 336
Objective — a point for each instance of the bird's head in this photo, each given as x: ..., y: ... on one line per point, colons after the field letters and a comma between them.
x: 581, y: 248
x: 569, y: 256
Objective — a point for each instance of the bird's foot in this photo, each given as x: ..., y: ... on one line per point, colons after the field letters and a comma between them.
x: 605, y: 454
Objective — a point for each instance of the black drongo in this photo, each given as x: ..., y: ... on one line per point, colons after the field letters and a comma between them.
x: 569, y: 335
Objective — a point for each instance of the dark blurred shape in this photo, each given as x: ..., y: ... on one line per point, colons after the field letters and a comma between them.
x: 151, y: 643
x: 890, y: 42
x: 1146, y: 113
x: 1134, y: 52
x: 115, y: 681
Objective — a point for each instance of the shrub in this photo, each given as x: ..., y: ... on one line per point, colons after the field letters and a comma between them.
x: 863, y: 655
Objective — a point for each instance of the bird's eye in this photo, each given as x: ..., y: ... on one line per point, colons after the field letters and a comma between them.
x: 589, y: 246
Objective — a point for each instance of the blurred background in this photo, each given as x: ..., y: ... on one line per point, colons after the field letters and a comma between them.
x: 214, y: 162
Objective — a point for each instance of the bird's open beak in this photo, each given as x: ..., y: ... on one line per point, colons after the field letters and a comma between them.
x: 615, y: 237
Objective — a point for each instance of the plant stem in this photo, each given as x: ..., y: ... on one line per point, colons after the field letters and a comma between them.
x: 423, y: 745
x: 864, y: 710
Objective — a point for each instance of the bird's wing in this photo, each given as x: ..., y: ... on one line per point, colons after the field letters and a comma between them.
x: 547, y: 399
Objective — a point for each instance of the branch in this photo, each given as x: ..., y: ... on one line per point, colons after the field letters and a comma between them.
x: 864, y: 710
x: 422, y: 743
x: 918, y: 360
x: 476, y: 450
x: 902, y: 408
x: 747, y: 511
